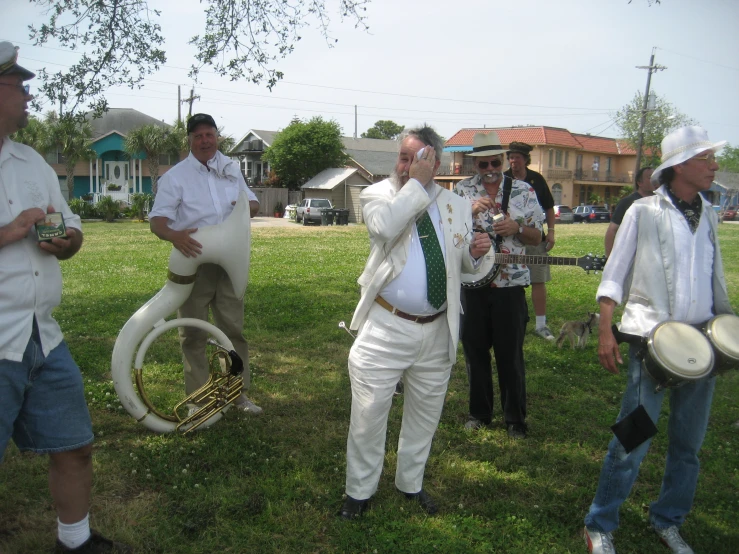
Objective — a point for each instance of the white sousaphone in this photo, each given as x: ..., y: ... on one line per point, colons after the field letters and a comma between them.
x: 228, y: 245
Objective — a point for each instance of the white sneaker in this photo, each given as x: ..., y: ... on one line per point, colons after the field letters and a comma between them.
x: 598, y: 542
x: 544, y: 333
x: 246, y: 405
x: 671, y: 538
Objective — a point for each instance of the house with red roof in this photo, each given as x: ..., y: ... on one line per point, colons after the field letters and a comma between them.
x: 576, y: 166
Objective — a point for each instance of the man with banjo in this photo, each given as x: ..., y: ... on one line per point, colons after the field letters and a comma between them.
x: 666, y: 263
x: 496, y: 315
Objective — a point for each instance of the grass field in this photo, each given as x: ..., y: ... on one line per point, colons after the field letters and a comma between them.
x: 274, y: 484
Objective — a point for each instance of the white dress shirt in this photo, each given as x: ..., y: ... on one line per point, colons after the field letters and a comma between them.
x: 193, y: 196
x: 408, y: 292
x: 30, y: 279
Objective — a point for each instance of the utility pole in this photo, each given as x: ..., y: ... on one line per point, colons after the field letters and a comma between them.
x: 355, y: 121
x: 179, y: 104
x: 652, y: 68
x: 190, y: 100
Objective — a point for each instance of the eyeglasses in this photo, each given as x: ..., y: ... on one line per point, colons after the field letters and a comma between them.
x: 710, y: 158
x: 494, y: 163
x: 25, y: 88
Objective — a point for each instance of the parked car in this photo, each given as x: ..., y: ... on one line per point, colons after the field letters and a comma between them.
x: 730, y: 213
x: 310, y: 210
x: 563, y: 214
x: 591, y: 214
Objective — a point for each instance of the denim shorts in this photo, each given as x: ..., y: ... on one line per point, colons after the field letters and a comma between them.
x: 42, y: 401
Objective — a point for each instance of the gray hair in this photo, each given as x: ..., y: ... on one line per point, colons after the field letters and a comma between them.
x: 426, y: 135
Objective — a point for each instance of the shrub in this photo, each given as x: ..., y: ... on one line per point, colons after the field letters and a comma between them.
x: 108, y: 208
x: 140, y: 203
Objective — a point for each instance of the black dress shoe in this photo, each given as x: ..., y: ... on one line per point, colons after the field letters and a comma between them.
x: 517, y: 430
x: 353, y: 508
x: 424, y: 500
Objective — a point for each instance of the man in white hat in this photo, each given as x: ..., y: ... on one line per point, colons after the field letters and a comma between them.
x: 42, y: 401
x: 495, y: 315
x: 667, y: 249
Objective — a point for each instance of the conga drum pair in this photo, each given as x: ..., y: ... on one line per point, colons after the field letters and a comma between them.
x: 678, y: 353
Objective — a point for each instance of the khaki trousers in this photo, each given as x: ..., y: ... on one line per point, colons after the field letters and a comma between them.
x: 213, y: 290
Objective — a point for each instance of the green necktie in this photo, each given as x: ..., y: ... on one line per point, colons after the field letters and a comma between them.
x: 435, y: 269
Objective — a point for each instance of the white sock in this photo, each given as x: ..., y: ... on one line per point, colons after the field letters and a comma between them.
x: 73, y: 535
x: 541, y: 321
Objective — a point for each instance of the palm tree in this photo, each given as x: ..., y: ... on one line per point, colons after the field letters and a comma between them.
x: 32, y: 135
x: 153, y: 141
x: 71, y: 136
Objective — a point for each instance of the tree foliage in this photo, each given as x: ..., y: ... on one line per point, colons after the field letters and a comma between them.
x: 383, y: 129
x: 120, y: 41
x: 152, y: 141
x: 33, y: 135
x: 304, y: 149
x: 728, y: 160
x: 659, y: 122
x: 72, y: 137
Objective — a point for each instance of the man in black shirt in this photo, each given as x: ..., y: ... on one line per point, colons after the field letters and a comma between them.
x: 519, y: 157
x: 644, y: 188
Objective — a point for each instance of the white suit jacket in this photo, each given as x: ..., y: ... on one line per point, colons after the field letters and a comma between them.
x: 390, y: 213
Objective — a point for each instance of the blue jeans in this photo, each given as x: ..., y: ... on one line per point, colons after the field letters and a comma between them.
x: 42, y: 401
x: 690, y: 406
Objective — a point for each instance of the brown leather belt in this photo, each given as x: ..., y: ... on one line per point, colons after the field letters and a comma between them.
x: 414, y: 318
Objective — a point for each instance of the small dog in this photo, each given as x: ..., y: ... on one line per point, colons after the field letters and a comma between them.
x: 578, y: 329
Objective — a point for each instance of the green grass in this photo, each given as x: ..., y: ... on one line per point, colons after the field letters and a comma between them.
x: 275, y: 483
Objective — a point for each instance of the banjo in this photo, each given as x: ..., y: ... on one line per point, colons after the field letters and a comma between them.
x: 493, y: 260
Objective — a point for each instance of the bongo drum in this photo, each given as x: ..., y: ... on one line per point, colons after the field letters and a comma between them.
x: 723, y: 333
x: 677, y: 353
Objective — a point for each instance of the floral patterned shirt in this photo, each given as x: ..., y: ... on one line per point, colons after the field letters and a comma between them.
x: 523, y: 207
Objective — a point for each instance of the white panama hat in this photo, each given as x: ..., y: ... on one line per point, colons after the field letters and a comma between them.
x: 486, y: 144
x: 682, y: 144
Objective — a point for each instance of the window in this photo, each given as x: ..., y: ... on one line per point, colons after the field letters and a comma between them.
x: 168, y: 159
x: 557, y: 193
x: 551, y: 158
x: 567, y: 159
x: 558, y: 158
x: 248, y: 168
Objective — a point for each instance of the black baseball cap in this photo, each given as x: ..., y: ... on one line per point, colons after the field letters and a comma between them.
x: 199, y: 118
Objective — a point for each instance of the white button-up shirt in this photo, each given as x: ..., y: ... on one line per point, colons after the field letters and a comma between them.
x: 30, y: 279
x: 408, y: 292
x: 193, y: 196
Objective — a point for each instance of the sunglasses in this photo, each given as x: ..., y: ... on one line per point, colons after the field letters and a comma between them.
x: 710, y: 158
x: 25, y: 88
x: 494, y: 163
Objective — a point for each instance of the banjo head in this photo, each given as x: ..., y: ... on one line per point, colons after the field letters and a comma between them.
x: 488, y: 270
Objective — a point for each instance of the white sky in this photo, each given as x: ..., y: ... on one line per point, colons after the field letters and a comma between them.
x: 564, y: 63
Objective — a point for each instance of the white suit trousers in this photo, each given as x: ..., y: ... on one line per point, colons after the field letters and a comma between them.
x: 386, y: 349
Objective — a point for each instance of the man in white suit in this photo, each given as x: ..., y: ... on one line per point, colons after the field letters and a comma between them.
x: 421, y: 241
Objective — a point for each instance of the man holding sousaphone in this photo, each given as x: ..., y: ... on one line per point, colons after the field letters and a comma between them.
x: 666, y: 263
x: 495, y: 315
x: 201, y: 191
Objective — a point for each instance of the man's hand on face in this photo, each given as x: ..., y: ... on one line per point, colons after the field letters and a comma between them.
x: 183, y: 242
x: 422, y: 170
